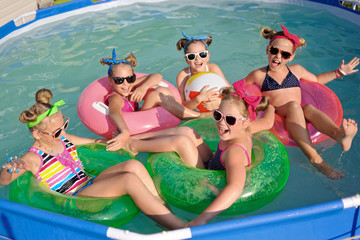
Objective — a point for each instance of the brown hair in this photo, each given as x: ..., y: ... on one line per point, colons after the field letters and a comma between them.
x: 42, y: 98
x: 182, y: 43
x: 130, y: 58
x: 269, y: 33
x: 227, y: 94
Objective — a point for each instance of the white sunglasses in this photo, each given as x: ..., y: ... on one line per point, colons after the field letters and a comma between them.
x: 192, y: 56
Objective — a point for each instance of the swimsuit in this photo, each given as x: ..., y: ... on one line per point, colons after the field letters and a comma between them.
x: 207, y: 69
x: 216, y: 163
x: 270, y: 84
x: 128, y: 105
x: 63, y: 173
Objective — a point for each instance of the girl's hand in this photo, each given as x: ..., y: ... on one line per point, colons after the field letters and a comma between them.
x: 214, y: 103
x: 14, y: 164
x: 206, y: 94
x: 138, y: 94
x: 117, y: 142
x: 349, y: 67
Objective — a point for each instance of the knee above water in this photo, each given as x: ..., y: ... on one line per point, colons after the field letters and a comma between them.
x: 132, y: 165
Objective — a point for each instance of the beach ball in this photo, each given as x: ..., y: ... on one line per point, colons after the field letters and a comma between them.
x: 196, y: 82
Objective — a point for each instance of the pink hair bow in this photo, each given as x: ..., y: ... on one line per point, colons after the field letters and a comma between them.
x: 252, y: 101
x: 293, y: 38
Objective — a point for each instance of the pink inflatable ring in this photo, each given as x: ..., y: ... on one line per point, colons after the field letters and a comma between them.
x: 316, y: 94
x: 94, y: 113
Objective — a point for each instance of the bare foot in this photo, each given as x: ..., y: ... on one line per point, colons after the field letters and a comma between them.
x: 349, y: 129
x: 325, y: 169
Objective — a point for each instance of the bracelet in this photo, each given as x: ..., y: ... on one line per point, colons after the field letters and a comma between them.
x: 342, y: 72
x: 338, y: 74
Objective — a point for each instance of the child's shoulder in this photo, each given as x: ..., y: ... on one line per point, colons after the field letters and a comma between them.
x: 256, y: 75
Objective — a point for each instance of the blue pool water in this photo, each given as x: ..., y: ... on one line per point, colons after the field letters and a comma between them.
x: 64, y: 57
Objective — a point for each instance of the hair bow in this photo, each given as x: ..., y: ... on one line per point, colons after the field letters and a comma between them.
x: 114, y: 61
x: 54, y: 109
x: 198, y: 37
x: 251, y: 101
x: 292, y: 37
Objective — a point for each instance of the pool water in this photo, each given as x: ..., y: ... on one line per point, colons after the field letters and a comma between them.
x: 64, y: 57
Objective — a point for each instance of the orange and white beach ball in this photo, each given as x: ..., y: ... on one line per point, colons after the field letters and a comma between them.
x: 196, y: 82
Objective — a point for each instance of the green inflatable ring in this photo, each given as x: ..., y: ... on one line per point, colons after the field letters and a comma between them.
x: 112, y: 212
x: 193, y: 189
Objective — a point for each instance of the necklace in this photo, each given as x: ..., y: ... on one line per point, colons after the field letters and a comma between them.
x: 68, y: 162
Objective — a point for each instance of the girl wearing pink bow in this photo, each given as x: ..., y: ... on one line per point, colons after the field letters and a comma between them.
x: 235, y: 122
x: 281, y: 83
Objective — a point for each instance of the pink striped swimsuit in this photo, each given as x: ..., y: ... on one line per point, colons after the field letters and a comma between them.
x: 63, y: 173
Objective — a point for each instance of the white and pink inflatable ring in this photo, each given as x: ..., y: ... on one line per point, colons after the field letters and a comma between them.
x: 316, y: 94
x: 94, y: 113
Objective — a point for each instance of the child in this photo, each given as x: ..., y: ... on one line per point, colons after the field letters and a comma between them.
x: 197, y: 57
x: 234, y: 150
x: 281, y: 83
x: 47, y: 126
x: 129, y: 90
x: 233, y: 119
x: 186, y: 141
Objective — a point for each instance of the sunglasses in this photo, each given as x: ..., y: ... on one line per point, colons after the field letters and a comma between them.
x: 120, y: 80
x: 192, y: 56
x: 230, y: 120
x: 284, y: 54
x: 57, y: 132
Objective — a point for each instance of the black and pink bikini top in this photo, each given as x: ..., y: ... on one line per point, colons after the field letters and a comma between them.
x: 216, y: 163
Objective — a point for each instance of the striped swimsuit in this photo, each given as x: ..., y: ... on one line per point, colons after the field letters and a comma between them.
x: 62, y: 173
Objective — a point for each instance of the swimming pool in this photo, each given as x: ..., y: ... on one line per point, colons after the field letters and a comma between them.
x: 64, y: 55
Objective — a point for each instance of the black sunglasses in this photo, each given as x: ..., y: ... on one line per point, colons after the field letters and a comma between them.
x: 284, y: 54
x: 230, y: 120
x: 192, y: 56
x: 120, y: 80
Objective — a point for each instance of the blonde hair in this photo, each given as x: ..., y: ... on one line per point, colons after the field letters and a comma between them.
x: 42, y: 98
x: 130, y: 58
x: 269, y: 33
x: 183, y: 42
x: 227, y: 93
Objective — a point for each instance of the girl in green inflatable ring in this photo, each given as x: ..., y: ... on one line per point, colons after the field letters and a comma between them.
x: 234, y: 121
x: 54, y: 161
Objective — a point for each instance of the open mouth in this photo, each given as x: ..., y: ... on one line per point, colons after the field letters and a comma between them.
x: 275, y: 63
x: 223, y: 131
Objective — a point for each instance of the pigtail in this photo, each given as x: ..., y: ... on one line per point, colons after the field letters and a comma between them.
x: 181, y: 44
x: 131, y: 59
x: 103, y: 62
x: 263, y: 105
x: 184, y: 43
x: 269, y: 33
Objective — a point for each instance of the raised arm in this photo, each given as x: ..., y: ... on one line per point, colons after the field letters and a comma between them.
x: 323, y: 78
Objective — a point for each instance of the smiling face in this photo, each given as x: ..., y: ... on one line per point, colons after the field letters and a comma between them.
x: 122, y: 70
x: 198, y: 64
x: 49, y: 126
x: 226, y: 131
x: 277, y: 61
